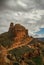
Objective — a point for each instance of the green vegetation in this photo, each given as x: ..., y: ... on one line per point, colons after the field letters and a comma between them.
x: 5, y: 40
x: 37, y: 60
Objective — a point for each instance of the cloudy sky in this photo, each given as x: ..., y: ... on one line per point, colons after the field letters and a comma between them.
x: 29, y: 13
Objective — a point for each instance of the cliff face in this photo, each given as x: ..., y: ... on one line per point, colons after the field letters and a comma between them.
x: 17, y: 31
x: 19, y: 34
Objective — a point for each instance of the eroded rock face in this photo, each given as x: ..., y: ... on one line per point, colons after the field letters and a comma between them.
x: 17, y: 31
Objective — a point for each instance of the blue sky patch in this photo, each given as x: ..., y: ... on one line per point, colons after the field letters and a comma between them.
x: 41, y: 31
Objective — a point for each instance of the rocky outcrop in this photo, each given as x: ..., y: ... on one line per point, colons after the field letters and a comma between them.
x: 17, y: 38
x: 17, y: 31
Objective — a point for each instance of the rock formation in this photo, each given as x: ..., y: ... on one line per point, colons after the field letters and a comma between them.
x: 17, y: 31
x: 16, y: 38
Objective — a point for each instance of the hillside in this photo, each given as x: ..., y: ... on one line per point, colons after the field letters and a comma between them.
x: 41, y: 39
x: 18, y: 47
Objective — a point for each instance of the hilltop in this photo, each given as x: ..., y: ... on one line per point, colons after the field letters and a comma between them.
x: 15, y: 33
x: 18, y: 44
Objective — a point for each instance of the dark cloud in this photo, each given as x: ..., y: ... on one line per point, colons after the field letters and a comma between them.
x: 17, y: 5
x: 2, y: 2
x: 40, y: 3
x: 13, y: 4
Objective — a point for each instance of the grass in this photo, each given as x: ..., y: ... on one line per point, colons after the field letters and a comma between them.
x: 37, y: 60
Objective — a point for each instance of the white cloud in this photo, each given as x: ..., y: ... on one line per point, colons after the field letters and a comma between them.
x: 21, y: 3
x: 42, y: 26
x: 39, y: 36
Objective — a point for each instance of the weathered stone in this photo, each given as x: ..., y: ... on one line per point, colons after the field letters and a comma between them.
x: 17, y: 31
